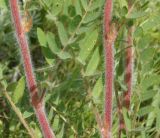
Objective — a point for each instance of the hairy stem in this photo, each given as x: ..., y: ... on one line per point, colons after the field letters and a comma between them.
x: 109, y: 38
x: 128, y: 66
x: 31, y: 82
x: 128, y: 75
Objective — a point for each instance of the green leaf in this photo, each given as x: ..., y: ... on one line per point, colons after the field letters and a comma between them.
x: 84, y: 4
x: 93, y: 63
x: 91, y: 16
x: 149, y: 81
x: 41, y: 37
x: 11, y: 86
x: 48, y: 55
x: 62, y: 33
x: 137, y: 14
x: 52, y: 43
x: 64, y: 55
x: 78, y: 7
x: 74, y: 23
x: 98, y: 88
x: 87, y: 45
x: 96, y: 4
x: 56, y: 122
x: 157, y: 118
x: 138, y: 32
x: 3, y: 4
x: 126, y: 119
x: 145, y: 110
x: 144, y: 41
x: 151, y: 23
x: 147, y: 54
x: 123, y: 3
x: 57, y: 6
x: 147, y: 95
x: 19, y: 90
x: 27, y: 114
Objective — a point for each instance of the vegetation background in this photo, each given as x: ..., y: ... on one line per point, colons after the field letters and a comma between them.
x: 66, y: 43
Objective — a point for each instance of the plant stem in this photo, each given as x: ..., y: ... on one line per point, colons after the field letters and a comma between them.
x: 128, y: 65
x: 128, y: 75
x: 31, y: 82
x: 20, y: 116
x: 110, y: 34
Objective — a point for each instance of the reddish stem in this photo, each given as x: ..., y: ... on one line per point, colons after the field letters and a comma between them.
x: 26, y: 58
x: 128, y: 66
x: 128, y: 70
x: 109, y: 38
x: 128, y: 76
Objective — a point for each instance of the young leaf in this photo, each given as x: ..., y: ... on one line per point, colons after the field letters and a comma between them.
x: 48, y: 55
x: 41, y: 37
x: 98, y: 88
x: 137, y: 14
x: 64, y: 55
x: 145, y: 110
x: 91, y: 16
x: 84, y: 4
x: 126, y: 119
x: 19, y: 90
x: 87, y: 45
x: 56, y: 7
x: 147, y: 95
x: 27, y: 114
x: 93, y: 63
x: 151, y: 23
x: 150, y: 81
x: 157, y: 118
x: 62, y: 33
x: 78, y: 7
x: 52, y: 43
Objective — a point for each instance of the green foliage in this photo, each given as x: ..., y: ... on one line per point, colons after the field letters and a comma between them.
x: 66, y: 46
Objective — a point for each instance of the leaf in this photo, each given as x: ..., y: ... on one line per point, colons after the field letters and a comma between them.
x: 151, y: 23
x: 52, y: 43
x: 91, y: 16
x: 148, y: 95
x: 61, y: 132
x: 11, y: 86
x: 3, y: 4
x: 147, y: 54
x: 57, y: 6
x: 150, y: 81
x: 84, y: 4
x: 27, y: 114
x: 41, y: 37
x: 93, y: 63
x: 19, y: 90
x: 56, y: 122
x: 98, y: 88
x: 64, y: 55
x: 74, y: 23
x: 48, y: 55
x: 157, y: 118
x: 96, y: 4
x: 145, y: 110
x: 71, y: 11
x: 122, y: 3
x: 87, y: 45
x: 137, y: 14
x: 62, y: 33
x: 144, y: 41
x: 126, y: 119
x: 138, y: 32
x: 78, y: 7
